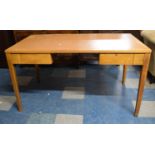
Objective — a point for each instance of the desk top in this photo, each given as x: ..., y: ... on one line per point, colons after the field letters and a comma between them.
x: 80, y: 43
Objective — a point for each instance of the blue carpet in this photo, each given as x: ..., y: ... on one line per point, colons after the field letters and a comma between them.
x: 104, y: 99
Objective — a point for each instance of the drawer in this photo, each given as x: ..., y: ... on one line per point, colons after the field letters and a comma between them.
x: 124, y: 59
x: 31, y: 59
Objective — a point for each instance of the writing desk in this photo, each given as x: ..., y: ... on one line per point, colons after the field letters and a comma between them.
x: 113, y: 49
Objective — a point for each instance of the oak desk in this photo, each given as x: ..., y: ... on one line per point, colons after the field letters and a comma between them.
x: 113, y: 49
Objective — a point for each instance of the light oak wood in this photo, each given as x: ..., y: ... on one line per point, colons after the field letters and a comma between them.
x: 121, y: 59
x: 142, y: 83
x: 14, y: 81
x: 124, y: 74
x: 121, y: 49
x: 31, y: 59
x: 116, y: 59
x: 138, y: 59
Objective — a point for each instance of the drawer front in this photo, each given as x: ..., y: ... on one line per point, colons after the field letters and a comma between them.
x: 124, y: 59
x: 31, y: 59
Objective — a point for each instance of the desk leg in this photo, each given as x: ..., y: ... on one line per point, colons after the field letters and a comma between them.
x: 14, y: 82
x: 124, y: 74
x: 143, y: 77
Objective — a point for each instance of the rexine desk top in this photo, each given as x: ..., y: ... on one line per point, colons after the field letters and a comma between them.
x: 80, y: 43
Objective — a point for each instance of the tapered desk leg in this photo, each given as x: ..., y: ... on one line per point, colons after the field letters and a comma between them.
x: 37, y: 70
x: 124, y: 74
x: 14, y: 82
x: 143, y: 76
